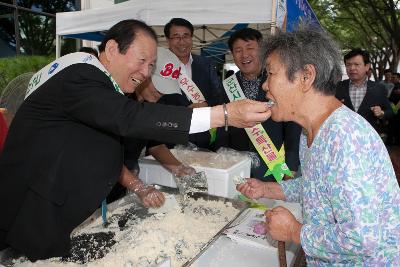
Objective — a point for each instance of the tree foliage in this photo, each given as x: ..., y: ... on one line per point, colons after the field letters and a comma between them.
x: 11, y: 67
x: 371, y: 24
x: 7, y: 25
x: 38, y: 32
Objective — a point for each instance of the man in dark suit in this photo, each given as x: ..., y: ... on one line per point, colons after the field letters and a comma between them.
x: 179, y: 34
x: 64, y: 151
x: 245, y: 45
x: 367, y: 98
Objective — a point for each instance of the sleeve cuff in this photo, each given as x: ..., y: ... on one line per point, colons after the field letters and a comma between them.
x: 201, y: 120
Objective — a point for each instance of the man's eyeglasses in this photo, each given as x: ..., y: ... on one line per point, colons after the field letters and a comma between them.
x: 185, y: 37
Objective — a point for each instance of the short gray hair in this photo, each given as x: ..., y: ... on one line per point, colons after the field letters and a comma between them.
x: 308, y: 45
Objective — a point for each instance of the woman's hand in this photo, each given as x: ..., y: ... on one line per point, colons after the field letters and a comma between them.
x: 252, y: 188
x: 282, y: 225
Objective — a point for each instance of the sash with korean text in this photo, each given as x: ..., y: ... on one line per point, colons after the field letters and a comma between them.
x: 262, y: 142
x: 61, y: 63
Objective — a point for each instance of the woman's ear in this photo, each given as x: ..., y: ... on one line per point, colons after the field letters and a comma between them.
x: 308, y: 76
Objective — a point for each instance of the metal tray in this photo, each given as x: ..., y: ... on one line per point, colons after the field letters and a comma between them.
x: 140, y: 211
x: 215, y: 237
x: 143, y: 212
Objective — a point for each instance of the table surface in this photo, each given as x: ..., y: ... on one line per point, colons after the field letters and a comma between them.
x: 226, y: 252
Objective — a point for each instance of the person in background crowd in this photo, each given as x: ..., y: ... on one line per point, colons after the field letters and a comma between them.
x: 64, y: 149
x: 388, y: 81
x: 395, y: 78
x: 367, y: 98
x: 179, y: 35
x: 394, y: 122
x: 348, y: 189
x: 245, y: 45
x: 369, y: 73
x: 89, y: 50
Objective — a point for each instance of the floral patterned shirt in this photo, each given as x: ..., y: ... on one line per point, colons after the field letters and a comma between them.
x: 349, y: 195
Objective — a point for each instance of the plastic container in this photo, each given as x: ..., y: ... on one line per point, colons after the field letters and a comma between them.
x: 220, y: 170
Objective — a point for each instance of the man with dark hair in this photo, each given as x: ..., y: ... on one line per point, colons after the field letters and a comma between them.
x: 178, y: 22
x: 64, y: 151
x: 246, y: 34
x: 245, y: 45
x: 367, y: 98
x: 179, y: 35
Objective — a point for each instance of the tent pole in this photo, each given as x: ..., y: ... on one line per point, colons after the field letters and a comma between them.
x: 58, y: 46
x: 273, y: 16
x: 16, y: 27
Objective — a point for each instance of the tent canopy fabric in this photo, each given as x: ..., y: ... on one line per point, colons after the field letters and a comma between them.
x: 159, y: 12
x: 213, y: 20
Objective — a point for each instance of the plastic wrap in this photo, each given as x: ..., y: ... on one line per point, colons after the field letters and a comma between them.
x: 224, y: 158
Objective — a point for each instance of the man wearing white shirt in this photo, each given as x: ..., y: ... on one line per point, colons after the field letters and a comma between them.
x: 179, y: 35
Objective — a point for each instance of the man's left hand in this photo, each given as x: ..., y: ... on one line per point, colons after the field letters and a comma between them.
x: 378, y: 112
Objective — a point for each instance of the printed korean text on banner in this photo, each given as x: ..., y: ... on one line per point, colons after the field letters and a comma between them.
x: 167, y: 72
x: 170, y: 77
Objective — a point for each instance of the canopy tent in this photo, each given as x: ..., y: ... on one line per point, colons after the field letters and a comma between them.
x: 213, y: 20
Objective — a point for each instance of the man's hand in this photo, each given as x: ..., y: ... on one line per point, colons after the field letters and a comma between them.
x: 241, y: 114
x: 151, y: 197
x: 378, y: 112
x: 282, y: 225
x: 247, y: 113
x: 181, y: 170
x: 147, y: 92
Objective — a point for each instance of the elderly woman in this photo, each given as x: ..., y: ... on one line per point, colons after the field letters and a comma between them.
x: 348, y: 190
